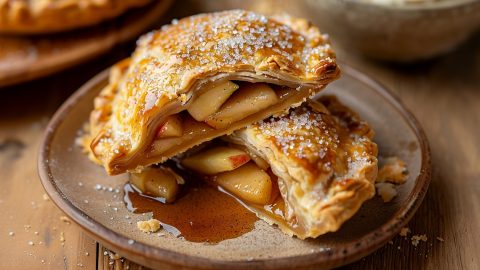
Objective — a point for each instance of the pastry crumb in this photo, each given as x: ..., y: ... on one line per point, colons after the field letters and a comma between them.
x: 440, y: 239
x: 114, y: 256
x: 45, y: 197
x: 417, y: 238
x: 62, y: 238
x: 393, y: 171
x: 404, y: 231
x: 386, y: 190
x: 65, y: 219
x: 149, y: 226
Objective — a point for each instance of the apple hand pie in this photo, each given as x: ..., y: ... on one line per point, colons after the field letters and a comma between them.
x: 47, y: 16
x: 307, y: 171
x: 203, y: 77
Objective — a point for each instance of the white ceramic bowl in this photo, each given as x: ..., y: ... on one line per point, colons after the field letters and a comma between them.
x: 401, y: 33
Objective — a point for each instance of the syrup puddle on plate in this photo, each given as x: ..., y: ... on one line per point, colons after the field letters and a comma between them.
x: 202, y: 213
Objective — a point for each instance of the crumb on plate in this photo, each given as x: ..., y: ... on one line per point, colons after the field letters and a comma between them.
x: 149, y: 226
x: 386, y: 190
x: 394, y: 170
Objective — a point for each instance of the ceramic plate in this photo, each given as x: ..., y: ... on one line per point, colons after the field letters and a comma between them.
x: 24, y: 58
x: 70, y: 179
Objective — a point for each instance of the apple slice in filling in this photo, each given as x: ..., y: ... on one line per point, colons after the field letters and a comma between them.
x: 209, y: 102
x: 216, y: 160
x: 159, y: 182
x: 253, y: 156
x: 171, y: 128
x: 247, y: 100
x: 248, y: 182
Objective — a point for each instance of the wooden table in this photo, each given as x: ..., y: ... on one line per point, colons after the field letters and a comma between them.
x: 444, y: 94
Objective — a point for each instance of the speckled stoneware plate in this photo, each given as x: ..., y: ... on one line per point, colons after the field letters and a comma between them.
x: 23, y: 58
x: 70, y: 179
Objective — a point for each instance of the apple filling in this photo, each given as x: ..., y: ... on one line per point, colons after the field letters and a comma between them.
x: 242, y: 174
x: 233, y: 170
x: 228, y: 167
x: 218, y: 109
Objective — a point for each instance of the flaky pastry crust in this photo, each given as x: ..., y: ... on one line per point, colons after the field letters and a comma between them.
x: 47, y: 16
x: 325, y: 161
x: 170, y: 67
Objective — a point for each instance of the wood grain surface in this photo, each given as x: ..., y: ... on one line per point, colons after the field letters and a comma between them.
x: 444, y: 94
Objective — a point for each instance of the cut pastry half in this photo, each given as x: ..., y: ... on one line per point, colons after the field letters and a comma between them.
x: 48, y: 16
x: 324, y: 160
x: 203, y: 77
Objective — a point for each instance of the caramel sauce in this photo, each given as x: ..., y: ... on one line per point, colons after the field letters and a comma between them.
x: 201, y: 214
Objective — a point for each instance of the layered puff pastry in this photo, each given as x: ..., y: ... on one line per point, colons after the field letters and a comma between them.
x: 47, y: 16
x: 325, y: 161
x: 203, y: 77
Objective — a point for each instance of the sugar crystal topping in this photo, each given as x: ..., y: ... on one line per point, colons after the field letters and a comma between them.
x: 168, y: 61
x: 302, y: 133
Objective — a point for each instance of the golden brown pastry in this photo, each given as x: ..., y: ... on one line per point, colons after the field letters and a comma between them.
x: 325, y: 162
x: 203, y: 77
x: 46, y: 16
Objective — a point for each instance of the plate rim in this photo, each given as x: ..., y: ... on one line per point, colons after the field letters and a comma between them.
x: 354, y: 251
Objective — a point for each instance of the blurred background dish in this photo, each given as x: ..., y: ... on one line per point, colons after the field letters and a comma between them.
x: 394, y: 30
x: 49, y: 16
x: 23, y: 58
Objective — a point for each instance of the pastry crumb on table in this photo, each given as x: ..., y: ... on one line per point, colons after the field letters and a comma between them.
x: 417, y: 238
x: 404, y: 231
